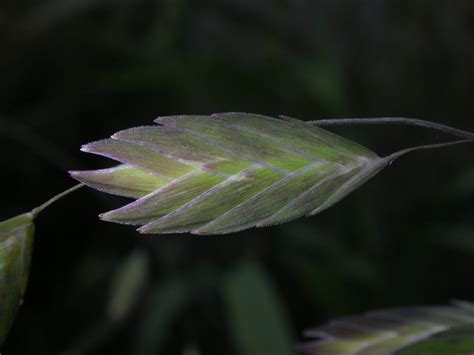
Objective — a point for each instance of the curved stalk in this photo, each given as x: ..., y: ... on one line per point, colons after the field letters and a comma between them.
x: 45, y: 205
x: 394, y: 120
x: 390, y: 158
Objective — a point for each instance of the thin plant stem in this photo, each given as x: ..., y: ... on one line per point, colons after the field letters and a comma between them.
x: 390, y: 158
x: 394, y: 120
x: 45, y: 205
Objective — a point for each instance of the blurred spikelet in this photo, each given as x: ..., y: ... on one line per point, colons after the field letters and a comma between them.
x: 416, y: 330
x: 16, y: 246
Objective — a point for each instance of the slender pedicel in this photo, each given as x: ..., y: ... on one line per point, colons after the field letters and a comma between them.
x: 394, y: 120
x: 45, y: 205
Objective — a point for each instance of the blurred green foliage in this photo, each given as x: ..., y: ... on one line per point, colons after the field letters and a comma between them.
x: 73, y: 71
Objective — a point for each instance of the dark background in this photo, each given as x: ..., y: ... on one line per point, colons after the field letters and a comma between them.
x: 74, y: 71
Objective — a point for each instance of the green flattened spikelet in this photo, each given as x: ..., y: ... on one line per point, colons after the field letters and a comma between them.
x: 226, y: 172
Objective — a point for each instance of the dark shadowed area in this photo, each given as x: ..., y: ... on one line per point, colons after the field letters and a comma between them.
x: 75, y: 71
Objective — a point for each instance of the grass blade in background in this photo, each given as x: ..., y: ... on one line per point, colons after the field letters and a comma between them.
x: 129, y: 281
x: 415, y: 330
x: 255, y: 315
x: 165, y: 302
x: 16, y: 247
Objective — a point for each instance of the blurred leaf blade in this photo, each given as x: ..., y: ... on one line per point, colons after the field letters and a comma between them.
x: 127, y: 284
x: 412, y: 330
x: 164, y: 303
x: 255, y: 315
x: 227, y: 172
x: 16, y: 247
